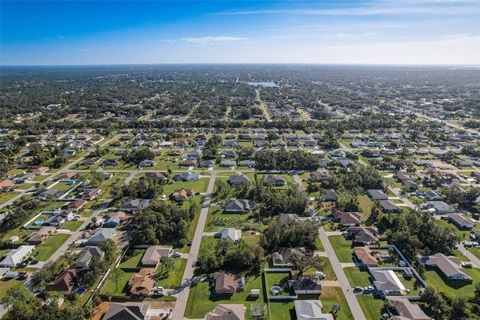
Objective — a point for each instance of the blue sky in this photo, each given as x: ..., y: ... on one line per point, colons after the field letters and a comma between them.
x: 349, y: 31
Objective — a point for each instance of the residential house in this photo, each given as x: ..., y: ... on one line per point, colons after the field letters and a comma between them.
x: 67, y: 176
x: 305, y: 285
x: 274, y: 180
x: 58, y: 218
x: 87, y: 255
x: 237, y: 206
x: 347, y: 219
x: 310, y: 310
x: 65, y: 283
x: 282, y: 257
x: 328, y: 195
x: 41, y: 235
x: 40, y: 170
x: 7, y: 185
x: 142, y: 283
x: 247, y: 163
x: 363, y: 235
x: 407, y: 179
x: 388, y: 206
x: 406, y: 309
x: 114, y: 219
x: 439, y: 207
x: 387, y: 283
x: 449, y: 266
x: 16, y: 256
x: 376, y: 194
x: 76, y: 205
x: 49, y: 194
x: 230, y: 233
x: 238, y: 180
x: 206, y: 164
x: 228, y: 163
x: 152, y: 256
x: 91, y: 194
x: 430, y: 195
x: 364, y: 256
x: 135, y: 205
x: 461, y: 221
x: 228, y: 154
x: 188, y: 163
x: 225, y: 283
x: 133, y: 311
x: 227, y: 312
x: 181, y: 195
x: 101, y: 235
x: 186, y: 176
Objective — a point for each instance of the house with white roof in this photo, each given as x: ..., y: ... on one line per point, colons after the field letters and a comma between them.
x: 16, y: 256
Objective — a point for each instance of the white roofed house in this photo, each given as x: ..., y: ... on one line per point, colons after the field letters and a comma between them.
x: 229, y: 233
x: 448, y: 266
x: 387, y: 283
x: 310, y: 310
x: 153, y: 255
x: 16, y: 256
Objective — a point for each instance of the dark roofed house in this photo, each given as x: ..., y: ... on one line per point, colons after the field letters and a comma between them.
x: 274, y: 180
x: 281, y: 258
x: 225, y: 283
x: 135, y: 204
x: 439, y: 207
x: 237, y: 206
x: 64, y: 283
x: 461, y: 222
x: 186, y: 176
x: 347, y: 219
x: 305, y: 286
x: 363, y: 235
x: 86, y: 256
x: 376, y: 194
x: 238, y: 180
x: 127, y: 311
x: 388, y: 206
x: 328, y: 195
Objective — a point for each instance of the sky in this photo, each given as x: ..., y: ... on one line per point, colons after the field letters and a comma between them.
x: 325, y: 32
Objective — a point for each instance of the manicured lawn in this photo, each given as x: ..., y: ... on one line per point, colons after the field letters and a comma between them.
x: 6, y: 285
x: 5, y: 196
x: 319, y: 245
x: 371, y: 306
x: 475, y: 251
x: 281, y: 310
x: 174, y: 278
x: 365, y: 204
x: 334, y: 295
x: 72, y: 225
x: 327, y: 270
x: 201, y: 300
x: 278, y: 279
x: 111, y: 288
x: 45, y: 250
x: 132, y: 259
x: 453, y: 288
x: 199, y: 185
x: 342, y: 247
x: 461, y: 234
x: 356, y: 277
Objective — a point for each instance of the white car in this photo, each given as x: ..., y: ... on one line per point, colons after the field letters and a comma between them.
x: 320, y: 275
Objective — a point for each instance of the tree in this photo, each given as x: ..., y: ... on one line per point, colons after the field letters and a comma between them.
x: 334, y: 310
x: 115, y: 274
x: 304, y: 262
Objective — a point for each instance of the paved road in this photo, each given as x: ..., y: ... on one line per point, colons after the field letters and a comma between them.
x: 337, y: 268
x: 182, y: 296
x: 473, y: 259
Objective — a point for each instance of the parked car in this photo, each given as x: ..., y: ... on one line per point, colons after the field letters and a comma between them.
x: 176, y: 255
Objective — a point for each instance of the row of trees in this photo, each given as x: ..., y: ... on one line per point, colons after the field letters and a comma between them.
x: 285, y: 160
x: 290, y: 234
x: 163, y: 223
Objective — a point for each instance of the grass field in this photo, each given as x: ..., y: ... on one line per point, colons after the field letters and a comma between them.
x: 475, y: 251
x: 201, y: 300
x: 118, y: 287
x: 45, y: 250
x: 356, y: 277
x: 365, y: 204
x: 132, y: 259
x: 6, y: 285
x: 461, y: 234
x: 371, y: 306
x: 342, y: 247
x: 334, y: 295
x: 453, y: 288
x: 174, y: 278
x: 281, y: 310
x: 5, y: 196
x: 72, y: 225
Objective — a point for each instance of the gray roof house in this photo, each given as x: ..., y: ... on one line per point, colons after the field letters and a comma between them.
x: 450, y: 266
x: 16, y: 256
x: 305, y: 286
x: 388, y: 206
x: 310, y: 310
x: 87, y: 255
x: 135, y: 204
x: 376, y: 194
x: 406, y: 309
x: 439, y: 207
x: 127, y: 311
x: 238, y: 180
x: 230, y: 233
x: 186, y: 176
x: 100, y: 235
x: 461, y: 222
x: 237, y: 206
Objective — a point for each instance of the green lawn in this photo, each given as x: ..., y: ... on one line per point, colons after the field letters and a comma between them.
x: 281, y: 310
x: 327, y: 270
x: 461, y: 234
x: 5, y: 196
x: 319, y: 244
x: 475, y: 251
x: 342, y: 247
x: 132, y: 259
x: 118, y: 287
x: 45, y: 250
x: 371, y: 306
x: 278, y: 279
x: 218, y: 219
x: 356, y: 277
x: 201, y: 300
x: 199, y: 185
x: 365, y: 204
x: 72, y: 225
x: 452, y: 288
x: 174, y: 278
x: 6, y: 285
x: 334, y: 295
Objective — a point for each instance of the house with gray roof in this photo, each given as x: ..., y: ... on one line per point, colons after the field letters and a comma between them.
x: 461, y: 221
x: 387, y: 283
x: 87, y: 255
x: 238, y: 180
x: 101, y: 235
x: 439, y: 207
x: 310, y: 310
x: 449, y: 266
x: 237, y: 206
x: 135, y: 205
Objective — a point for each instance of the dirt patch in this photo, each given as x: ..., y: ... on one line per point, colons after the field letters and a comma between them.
x: 100, y: 310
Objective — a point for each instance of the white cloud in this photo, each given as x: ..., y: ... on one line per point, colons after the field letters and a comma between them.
x: 211, y: 39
